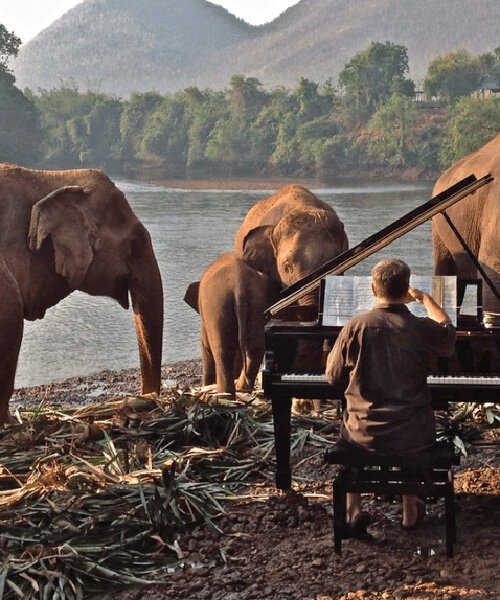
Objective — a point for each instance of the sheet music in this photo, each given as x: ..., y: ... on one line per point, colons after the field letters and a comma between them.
x: 346, y: 297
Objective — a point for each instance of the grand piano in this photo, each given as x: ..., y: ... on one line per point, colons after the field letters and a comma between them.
x: 472, y: 375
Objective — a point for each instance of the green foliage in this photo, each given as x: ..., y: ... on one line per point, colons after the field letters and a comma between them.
x: 311, y: 103
x: 133, y: 118
x: 374, y: 74
x: 473, y: 122
x: 453, y: 75
x: 246, y: 94
x: 20, y: 132
x: 80, y: 129
x: 393, y: 121
x: 286, y: 155
x: 229, y: 142
x: 9, y: 46
x: 166, y: 137
x: 313, y: 130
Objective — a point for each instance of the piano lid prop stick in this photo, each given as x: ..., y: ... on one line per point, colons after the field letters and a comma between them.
x: 379, y: 240
x: 472, y: 256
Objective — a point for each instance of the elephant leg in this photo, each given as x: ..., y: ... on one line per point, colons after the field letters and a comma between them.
x: 207, y: 359
x: 224, y: 364
x: 238, y: 365
x: 11, y: 332
x: 253, y: 360
x: 444, y: 264
x: 491, y: 265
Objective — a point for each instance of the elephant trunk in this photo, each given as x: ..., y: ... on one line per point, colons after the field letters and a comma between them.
x: 147, y: 301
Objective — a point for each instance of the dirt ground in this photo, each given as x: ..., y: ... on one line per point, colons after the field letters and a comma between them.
x: 280, y: 545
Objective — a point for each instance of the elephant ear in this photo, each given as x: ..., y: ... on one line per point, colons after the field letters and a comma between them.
x: 259, y: 250
x: 191, y: 295
x: 61, y: 217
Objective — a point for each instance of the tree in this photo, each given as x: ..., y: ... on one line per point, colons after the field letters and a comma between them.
x: 246, y: 93
x: 453, y: 75
x: 20, y: 133
x: 473, y: 122
x: 166, y: 137
x: 133, y: 119
x: 9, y: 46
x: 79, y: 128
x: 394, y: 121
x: 229, y: 144
x: 311, y: 103
x: 374, y: 74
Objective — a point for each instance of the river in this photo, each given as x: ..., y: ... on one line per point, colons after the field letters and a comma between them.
x: 190, y: 228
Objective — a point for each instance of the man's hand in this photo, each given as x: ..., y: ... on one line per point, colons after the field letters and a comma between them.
x: 434, y: 311
x: 414, y: 295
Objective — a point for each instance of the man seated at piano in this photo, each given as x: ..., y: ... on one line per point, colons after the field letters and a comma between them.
x: 382, y: 359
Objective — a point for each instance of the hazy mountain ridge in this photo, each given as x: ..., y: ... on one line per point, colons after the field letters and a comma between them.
x: 127, y: 45
x: 169, y: 44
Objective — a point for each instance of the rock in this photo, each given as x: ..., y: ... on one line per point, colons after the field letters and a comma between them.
x: 361, y: 568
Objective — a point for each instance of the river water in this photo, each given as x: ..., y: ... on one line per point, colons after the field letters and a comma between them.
x: 83, y: 334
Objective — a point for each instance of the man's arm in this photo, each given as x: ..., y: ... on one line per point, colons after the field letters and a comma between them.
x: 336, y: 370
x: 439, y: 332
x: 434, y: 311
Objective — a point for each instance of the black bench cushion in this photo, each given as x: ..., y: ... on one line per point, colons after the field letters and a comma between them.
x: 440, y: 456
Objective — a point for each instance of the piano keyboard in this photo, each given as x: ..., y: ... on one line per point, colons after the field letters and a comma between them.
x: 432, y: 379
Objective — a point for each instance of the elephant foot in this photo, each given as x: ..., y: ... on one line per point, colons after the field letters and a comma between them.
x: 243, y: 386
x: 306, y: 406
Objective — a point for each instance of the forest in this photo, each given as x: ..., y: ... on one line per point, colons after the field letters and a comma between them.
x: 370, y: 119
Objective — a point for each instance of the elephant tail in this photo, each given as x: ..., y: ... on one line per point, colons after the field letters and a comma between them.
x: 241, y: 309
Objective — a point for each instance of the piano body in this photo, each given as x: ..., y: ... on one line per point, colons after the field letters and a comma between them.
x: 473, y: 375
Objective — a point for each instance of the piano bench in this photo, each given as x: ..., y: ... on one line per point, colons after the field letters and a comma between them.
x: 428, y: 473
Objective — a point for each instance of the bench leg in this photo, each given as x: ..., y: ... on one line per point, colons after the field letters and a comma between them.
x: 339, y: 514
x: 282, y: 408
x: 451, y: 535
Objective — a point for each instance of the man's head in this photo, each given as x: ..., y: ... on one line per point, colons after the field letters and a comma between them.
x: 391, y: 279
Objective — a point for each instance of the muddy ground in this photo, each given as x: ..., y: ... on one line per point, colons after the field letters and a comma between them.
x: 281, y: 547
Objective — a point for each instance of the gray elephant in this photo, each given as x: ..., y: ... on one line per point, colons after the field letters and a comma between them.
x: 231, y: 299
x: 290, y: 234
x: 62, y: 231
x: 476, y: 217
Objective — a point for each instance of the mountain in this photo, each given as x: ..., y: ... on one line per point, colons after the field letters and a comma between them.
x: 124, y: 45
x: 167, y: 45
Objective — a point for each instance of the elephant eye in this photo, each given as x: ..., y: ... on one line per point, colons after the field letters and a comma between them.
x: 287, y: 266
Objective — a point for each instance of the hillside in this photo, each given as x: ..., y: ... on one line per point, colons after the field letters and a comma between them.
x: 124, y: 45
x: 169, y: 44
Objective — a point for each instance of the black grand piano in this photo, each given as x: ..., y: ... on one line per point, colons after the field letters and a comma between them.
x: 473, y: 375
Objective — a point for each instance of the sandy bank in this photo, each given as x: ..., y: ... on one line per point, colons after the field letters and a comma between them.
x: 274, y: 183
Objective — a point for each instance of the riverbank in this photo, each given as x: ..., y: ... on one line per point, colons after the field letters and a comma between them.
x: 274, y: 183
x: 103, y: 386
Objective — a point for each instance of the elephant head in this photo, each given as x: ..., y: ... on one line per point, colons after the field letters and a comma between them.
x: 88, y: 239
x: 300, y: 242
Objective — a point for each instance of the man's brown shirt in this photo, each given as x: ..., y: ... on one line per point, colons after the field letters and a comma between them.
x: 382, y: 360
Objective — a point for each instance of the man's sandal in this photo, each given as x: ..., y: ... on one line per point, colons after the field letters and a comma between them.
x: 357, y: 529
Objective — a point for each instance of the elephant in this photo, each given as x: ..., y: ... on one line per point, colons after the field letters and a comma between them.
x: 231, y: 299
x: 286, y: 236
x: 477, y: 218
x: 290, y: 234
x: 62, y: 231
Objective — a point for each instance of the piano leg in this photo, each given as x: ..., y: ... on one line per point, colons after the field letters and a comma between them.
x: 282, y: 412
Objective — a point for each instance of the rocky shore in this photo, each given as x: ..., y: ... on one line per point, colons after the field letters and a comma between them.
x: 103, y: 386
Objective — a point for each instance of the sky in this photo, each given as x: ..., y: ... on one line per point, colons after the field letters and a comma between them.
x: 27, y: 17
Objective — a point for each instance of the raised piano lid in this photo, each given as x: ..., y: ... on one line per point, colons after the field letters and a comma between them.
x: 379, y: 240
